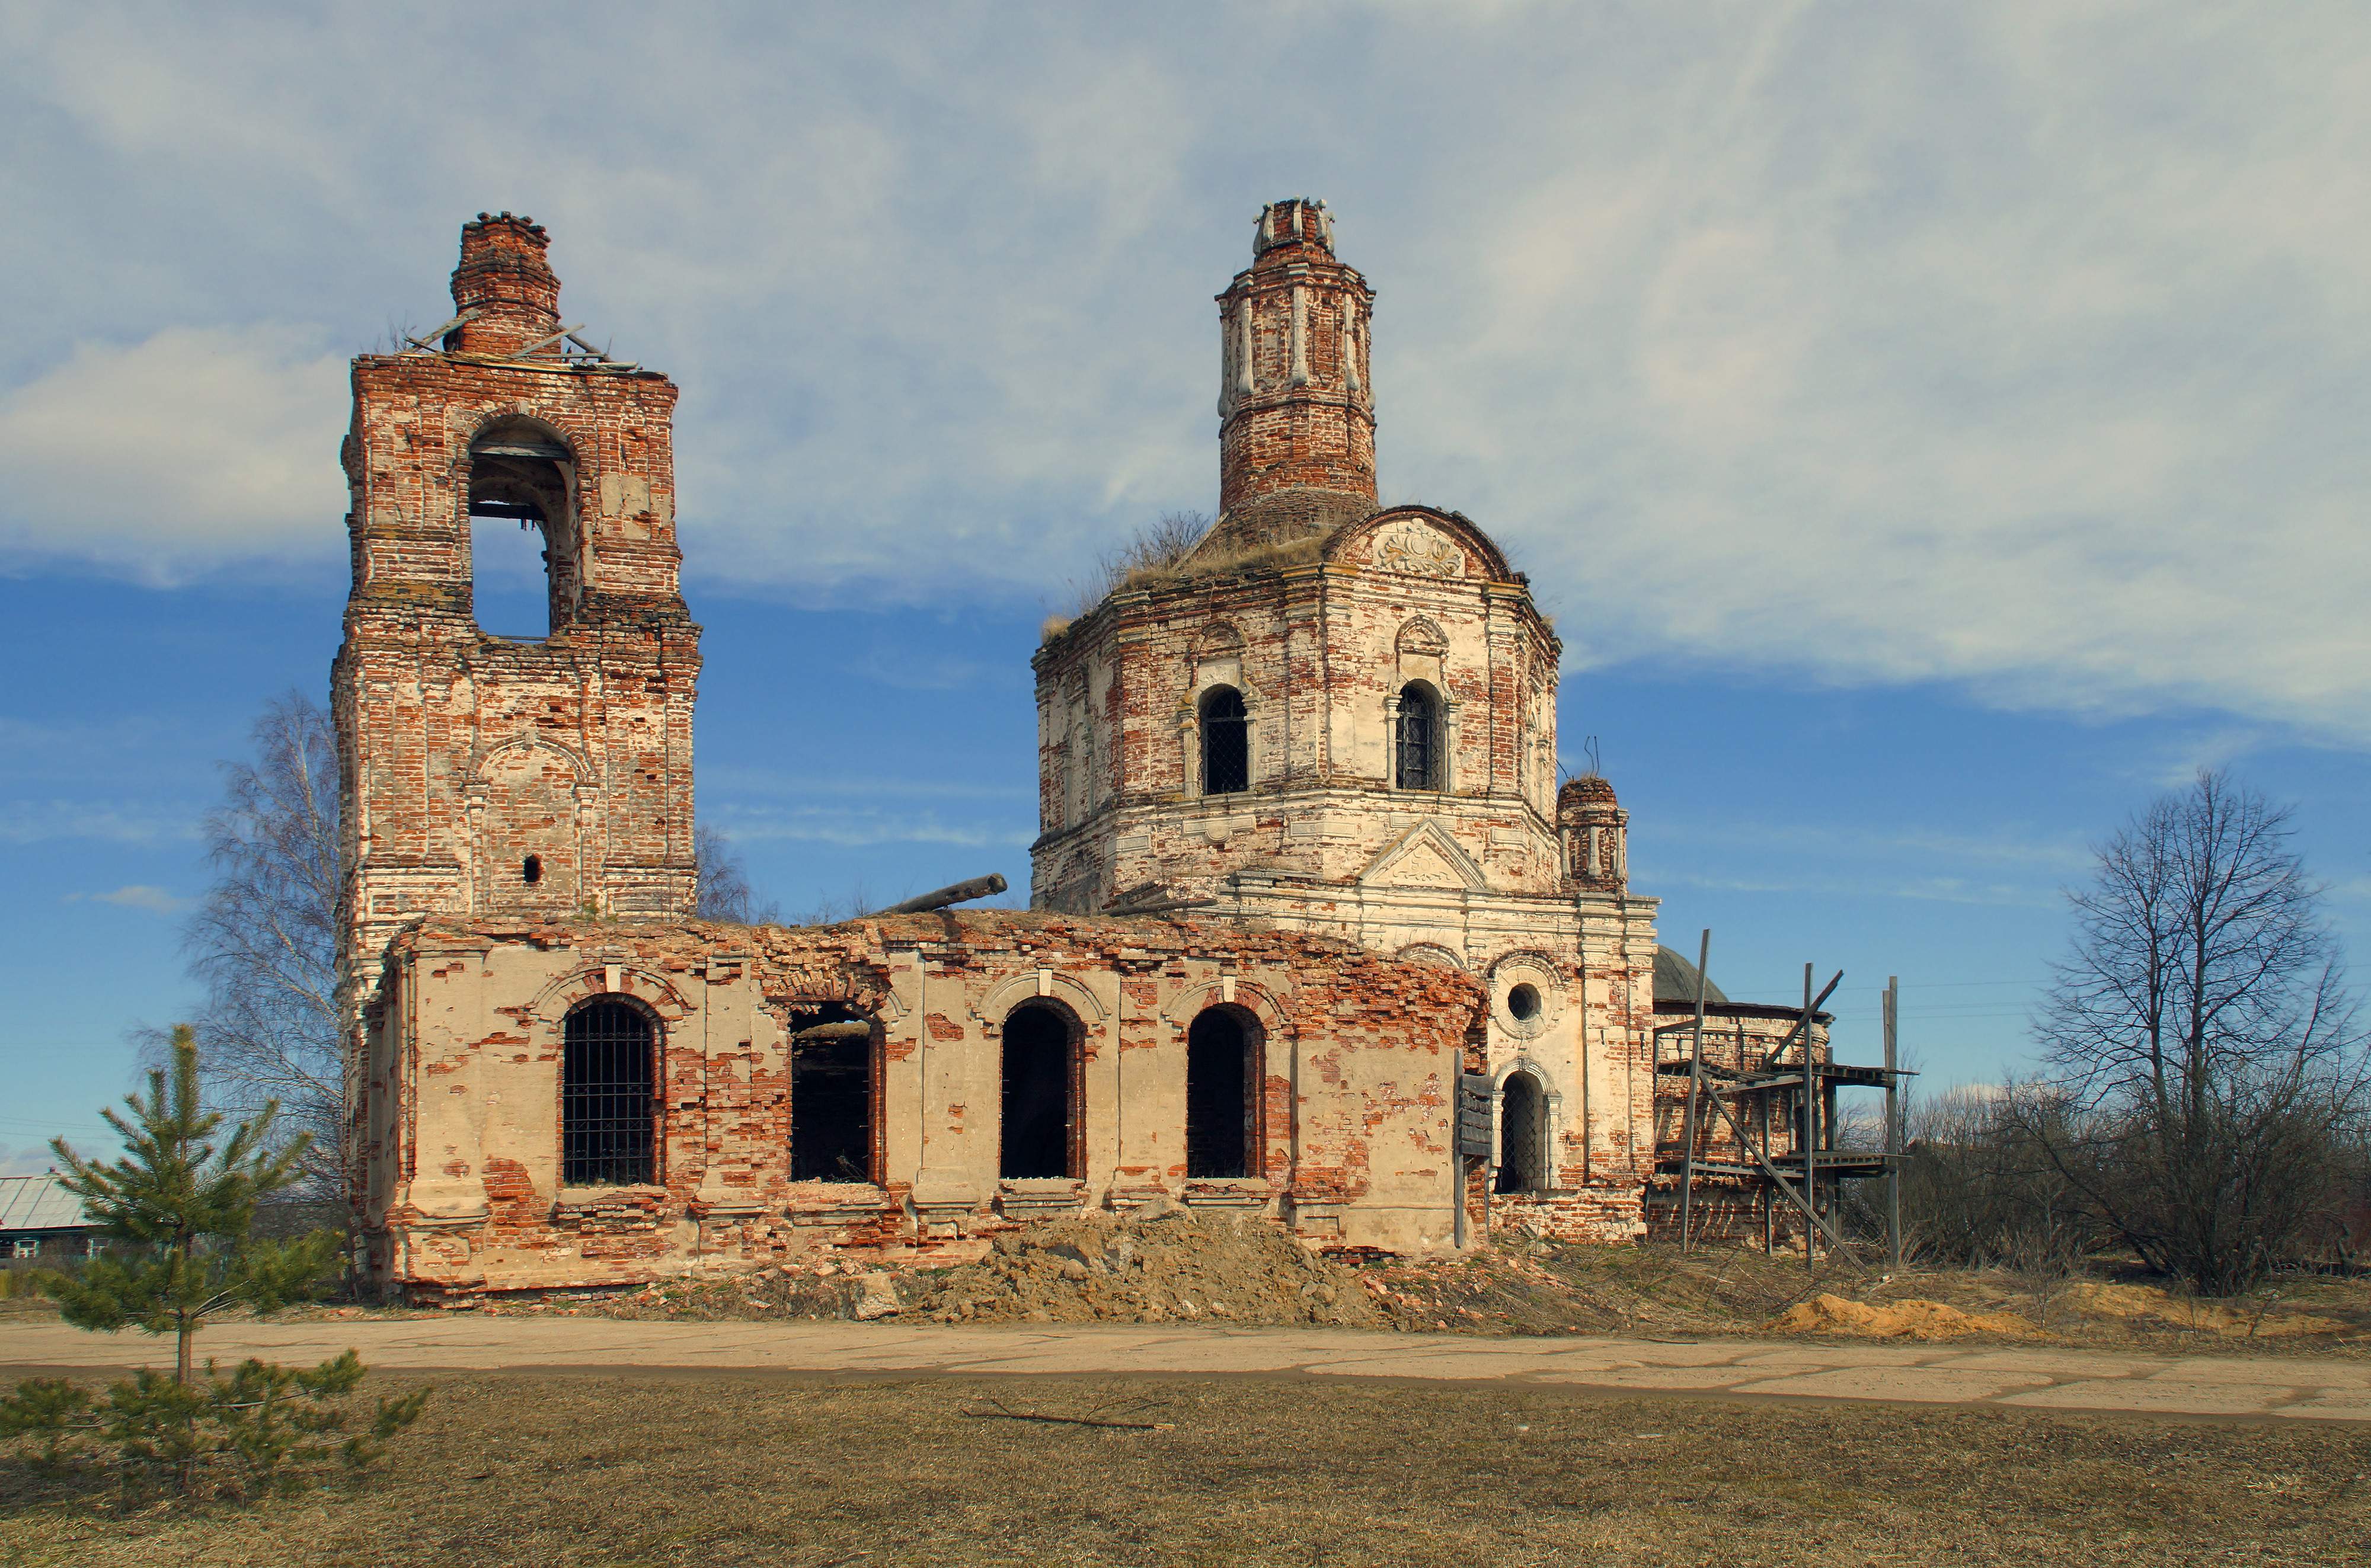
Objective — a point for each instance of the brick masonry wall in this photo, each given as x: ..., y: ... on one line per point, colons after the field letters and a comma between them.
x: 1358, y: 1062
x: 463, y: 753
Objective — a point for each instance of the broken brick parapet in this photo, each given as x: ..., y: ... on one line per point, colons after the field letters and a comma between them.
x: 1358, y: 1057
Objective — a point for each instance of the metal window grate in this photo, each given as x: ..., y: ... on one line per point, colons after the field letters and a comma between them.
x: 605, y: 1104
x: 1522, y: 1136
x: 1226, y: 742
x: 1418, y: 726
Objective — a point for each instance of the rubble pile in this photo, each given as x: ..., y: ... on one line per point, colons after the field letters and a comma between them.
x: 1147, y: 1267
x: 1913, y: 1319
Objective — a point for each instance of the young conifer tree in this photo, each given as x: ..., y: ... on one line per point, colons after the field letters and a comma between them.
x: 188, y: 1203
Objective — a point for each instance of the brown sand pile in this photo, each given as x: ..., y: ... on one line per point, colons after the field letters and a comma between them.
x: 1147, y: 1269
x: 1896, y: 1320
x: 2131, y: 1301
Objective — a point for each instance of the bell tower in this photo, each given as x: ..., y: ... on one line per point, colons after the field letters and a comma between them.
x: 485, y: 773
x: 1296, y: 432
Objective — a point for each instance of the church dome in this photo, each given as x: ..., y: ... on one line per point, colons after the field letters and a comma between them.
x: 1675, y: 977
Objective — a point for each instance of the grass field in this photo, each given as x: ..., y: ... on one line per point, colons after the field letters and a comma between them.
x: 798, y: 1474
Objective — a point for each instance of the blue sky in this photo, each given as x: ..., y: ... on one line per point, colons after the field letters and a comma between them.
x: 1935, y: 429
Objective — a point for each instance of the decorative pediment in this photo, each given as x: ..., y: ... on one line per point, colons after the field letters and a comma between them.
x: 1424, y: 856
x: 1420, y: 541
x: 1417, y: 550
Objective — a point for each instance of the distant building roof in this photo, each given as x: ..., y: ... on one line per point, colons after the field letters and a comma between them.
x: 39, y: 1202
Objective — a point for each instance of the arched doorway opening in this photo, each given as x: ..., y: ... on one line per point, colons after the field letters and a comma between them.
x: 1040, y: 1111
x: 1221, y: 1074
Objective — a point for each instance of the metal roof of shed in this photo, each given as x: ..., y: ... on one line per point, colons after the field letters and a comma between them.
x: 39, y: 1202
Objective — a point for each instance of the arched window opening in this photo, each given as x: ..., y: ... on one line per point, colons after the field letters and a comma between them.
x: 519, y: 487
x: 1038, y: 1112
x: 831, y: 1095
x: 607, y: 1112
x: 532, y: 872
x: 1419, y: 739
x: 1226, y: 742
x: 1220, y: 1076
x: 1522, y: 1136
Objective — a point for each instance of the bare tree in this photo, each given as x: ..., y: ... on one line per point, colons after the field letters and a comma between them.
x: 2206, y: 1062
x: 724, y: 892
x: 265, y: 938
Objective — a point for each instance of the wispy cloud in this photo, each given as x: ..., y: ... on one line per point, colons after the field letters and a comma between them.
x: 35, y: 822
x: 2017, y: 344
x: 133, y: 895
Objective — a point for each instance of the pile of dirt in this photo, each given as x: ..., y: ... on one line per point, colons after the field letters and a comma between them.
x: 1146, y: 1268
x: 2145, y: 1302
x: 1912, y: 1319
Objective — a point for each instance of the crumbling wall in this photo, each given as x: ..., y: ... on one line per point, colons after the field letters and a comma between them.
x: 1358, y: 1067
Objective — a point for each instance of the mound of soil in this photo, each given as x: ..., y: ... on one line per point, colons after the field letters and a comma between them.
x: 2130, y: 1301
x: 1912, y: 1319
x: 1146, y: 1269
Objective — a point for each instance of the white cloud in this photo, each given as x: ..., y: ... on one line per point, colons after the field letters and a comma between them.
x: 2021, y: 344
x: 191, y: 448
x: 118, y: 822
x: 135, y: 895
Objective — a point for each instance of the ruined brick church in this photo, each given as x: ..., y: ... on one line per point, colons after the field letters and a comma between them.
x: 1313, y: 932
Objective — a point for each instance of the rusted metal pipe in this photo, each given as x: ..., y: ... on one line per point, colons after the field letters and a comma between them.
x: 956, y: 892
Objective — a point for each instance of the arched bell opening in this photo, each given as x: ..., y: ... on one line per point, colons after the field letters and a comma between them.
x: 521, y: 529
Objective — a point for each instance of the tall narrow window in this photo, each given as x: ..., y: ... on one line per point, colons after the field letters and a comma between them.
x: 1037, y: 1108
x: 1219, y: 1079
x: 1419, y: 758
x: 1226, y: 742
x: 831, y: 1095
x: 1522, y: 1136
x: 607, y: 1110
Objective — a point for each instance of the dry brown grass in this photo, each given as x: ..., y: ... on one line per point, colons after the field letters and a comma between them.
x: 535, y: 1471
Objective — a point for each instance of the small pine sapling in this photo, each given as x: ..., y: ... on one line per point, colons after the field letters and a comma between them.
x: 187, y: 1205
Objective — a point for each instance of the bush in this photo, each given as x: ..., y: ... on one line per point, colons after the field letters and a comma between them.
x: 259, y: 1432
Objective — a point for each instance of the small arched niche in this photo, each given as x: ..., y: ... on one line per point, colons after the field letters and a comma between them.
x: 521, y: 529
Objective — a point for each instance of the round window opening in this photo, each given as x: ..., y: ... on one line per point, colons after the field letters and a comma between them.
x: 1523, y: 1001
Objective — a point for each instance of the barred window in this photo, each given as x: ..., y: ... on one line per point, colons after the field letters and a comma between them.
x: 1419, y: 758
x: 1522, y: 1136
x: 1226, y: 742
x: 607, y: 1105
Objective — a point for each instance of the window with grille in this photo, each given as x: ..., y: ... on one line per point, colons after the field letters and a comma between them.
x: 1522, y: 1136
x: 1226, y: 742
x: 1419, y: 759
x: 607, y: 1106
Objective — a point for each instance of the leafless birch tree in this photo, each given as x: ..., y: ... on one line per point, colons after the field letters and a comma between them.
x: 2206, y: 1062
x: 265, y: 938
